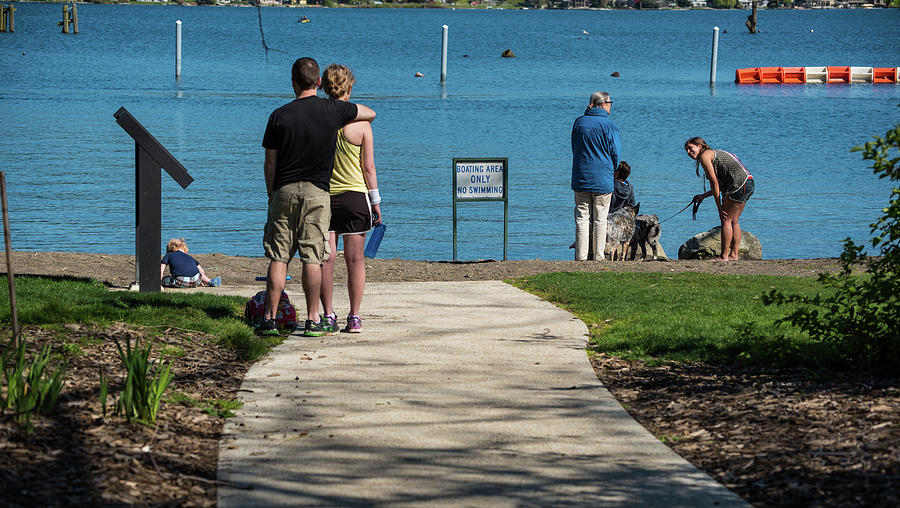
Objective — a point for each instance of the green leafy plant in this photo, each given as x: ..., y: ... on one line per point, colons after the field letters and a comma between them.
x: 72, y: 349
x: 145, y: 384
x: 217, y: 408
x: 172, y: 351
x: 860, y: 318
x: 36, y: 392
x: 223, y: 408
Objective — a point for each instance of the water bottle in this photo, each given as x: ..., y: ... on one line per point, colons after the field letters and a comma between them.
x: 374, y: 240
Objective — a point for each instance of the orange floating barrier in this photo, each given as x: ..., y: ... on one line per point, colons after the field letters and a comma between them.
x: 770, y: 75
x: 793, y: 74
x: 884, y: 75
x: 838, y: 74
x: 747, y: 76
x: 830, y: 74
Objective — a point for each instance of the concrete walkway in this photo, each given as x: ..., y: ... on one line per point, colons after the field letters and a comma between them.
x: 456, y: 394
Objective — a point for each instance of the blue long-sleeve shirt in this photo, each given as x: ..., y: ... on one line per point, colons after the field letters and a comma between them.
x: 595, y: 151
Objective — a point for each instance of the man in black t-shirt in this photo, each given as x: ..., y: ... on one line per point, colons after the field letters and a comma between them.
x: 299, y: 142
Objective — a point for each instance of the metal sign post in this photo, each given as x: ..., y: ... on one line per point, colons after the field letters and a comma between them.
x: 149, y: 157
x: 481, y: 179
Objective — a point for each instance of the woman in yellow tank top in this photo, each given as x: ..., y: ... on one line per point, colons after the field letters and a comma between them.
x: 355, y: 202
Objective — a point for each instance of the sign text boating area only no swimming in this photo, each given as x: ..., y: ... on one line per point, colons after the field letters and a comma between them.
x: 480, y: 179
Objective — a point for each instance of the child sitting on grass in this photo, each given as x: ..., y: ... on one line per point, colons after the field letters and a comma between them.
x: 185, y: 271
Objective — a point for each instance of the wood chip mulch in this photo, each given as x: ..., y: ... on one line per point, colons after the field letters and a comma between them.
x: 76, y: 457
x: 776, y: 438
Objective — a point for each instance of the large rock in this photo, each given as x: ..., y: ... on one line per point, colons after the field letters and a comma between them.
x: 709, y: 245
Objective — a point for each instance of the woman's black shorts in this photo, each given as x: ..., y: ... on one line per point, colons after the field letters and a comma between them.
x: 350, y: 213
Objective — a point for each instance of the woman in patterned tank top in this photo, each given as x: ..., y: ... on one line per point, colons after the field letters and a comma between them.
x: 731, y: 185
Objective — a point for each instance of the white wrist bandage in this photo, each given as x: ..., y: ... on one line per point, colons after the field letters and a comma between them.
x: 374, y: 197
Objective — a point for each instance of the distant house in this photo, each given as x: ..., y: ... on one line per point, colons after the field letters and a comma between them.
x: 571, y: 4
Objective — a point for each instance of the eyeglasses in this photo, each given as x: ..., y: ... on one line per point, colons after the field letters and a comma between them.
x: 607, y: 102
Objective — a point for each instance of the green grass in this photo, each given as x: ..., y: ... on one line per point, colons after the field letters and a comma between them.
x: 684, y: 317
x: 217, y: 408
x: 53, y: 301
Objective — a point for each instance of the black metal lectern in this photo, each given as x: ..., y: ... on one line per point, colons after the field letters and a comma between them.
x: 149, y: 157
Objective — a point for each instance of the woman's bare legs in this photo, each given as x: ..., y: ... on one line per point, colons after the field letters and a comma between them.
x: 731, y: 229
x: 327, y: 291
x: 356, y: 270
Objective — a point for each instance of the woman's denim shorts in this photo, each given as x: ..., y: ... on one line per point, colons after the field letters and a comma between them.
x: 743, y: 194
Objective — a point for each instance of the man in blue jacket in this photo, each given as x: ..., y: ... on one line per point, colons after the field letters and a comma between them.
x: 595, y: 156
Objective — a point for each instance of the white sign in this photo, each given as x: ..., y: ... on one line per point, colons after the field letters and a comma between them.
x: 479, y: 180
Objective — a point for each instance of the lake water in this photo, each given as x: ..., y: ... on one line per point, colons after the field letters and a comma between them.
x: 70, y: 167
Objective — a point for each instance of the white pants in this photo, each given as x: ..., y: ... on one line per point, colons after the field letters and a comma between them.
x: 587, y: 204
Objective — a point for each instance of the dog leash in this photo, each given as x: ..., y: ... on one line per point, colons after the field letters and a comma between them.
x: 696, y: 206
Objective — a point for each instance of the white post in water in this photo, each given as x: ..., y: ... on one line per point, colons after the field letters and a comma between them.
x: 178, y: 49
x: 715, y: 56
x: 444, y: 55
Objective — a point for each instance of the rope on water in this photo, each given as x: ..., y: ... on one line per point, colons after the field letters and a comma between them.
x: 261, y: 33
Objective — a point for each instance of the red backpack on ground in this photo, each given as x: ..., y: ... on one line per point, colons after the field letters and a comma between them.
x: 255, y: 311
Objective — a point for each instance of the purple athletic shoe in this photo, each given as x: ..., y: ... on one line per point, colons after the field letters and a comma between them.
x: 354, y: 325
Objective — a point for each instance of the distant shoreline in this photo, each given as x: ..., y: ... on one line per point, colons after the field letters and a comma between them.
x: 461, y: 6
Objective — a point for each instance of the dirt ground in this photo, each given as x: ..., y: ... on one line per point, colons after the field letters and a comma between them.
x: 118, y: 270
x: 777, y: 438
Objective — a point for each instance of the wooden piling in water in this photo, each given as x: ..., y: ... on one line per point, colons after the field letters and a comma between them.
x: 69, y: 18
x: 751, y: 19
x: 6, y: 12
x: 7, y: 17
x: 65, y: 21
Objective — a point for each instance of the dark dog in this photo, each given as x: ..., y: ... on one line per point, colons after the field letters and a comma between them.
x: 646, y: 232
x: 619, y: 230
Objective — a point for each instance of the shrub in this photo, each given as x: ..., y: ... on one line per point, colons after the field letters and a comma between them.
x: 861, y: 318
